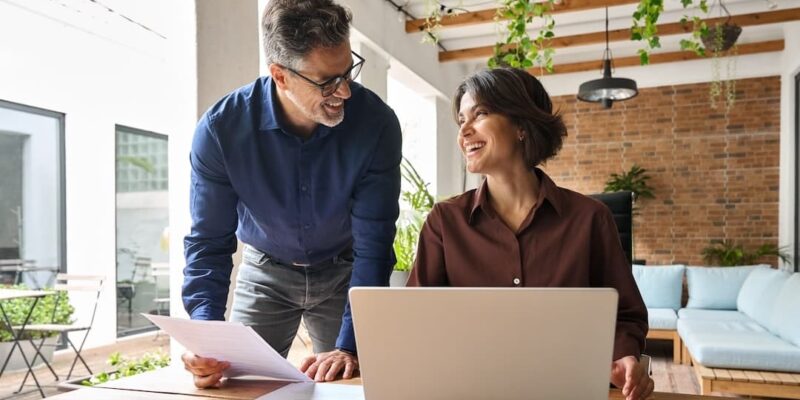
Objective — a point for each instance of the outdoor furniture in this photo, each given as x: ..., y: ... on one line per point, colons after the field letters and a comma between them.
x: 661, y: 288
x: 743, y: 338
x: 160, y: 271
x: 126, y: 290
x: 18, y: 331
x: 20, y: 267
x: 90, y: 284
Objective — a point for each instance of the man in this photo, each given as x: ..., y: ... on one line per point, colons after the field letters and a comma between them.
x: 302, y: 166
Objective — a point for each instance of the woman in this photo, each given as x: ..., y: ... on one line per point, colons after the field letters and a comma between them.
x: 519, y: 229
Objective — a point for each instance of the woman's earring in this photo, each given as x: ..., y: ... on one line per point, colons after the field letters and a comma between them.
x: 521, y: 138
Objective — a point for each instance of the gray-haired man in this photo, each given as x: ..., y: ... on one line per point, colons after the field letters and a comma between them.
x: 302, y: 166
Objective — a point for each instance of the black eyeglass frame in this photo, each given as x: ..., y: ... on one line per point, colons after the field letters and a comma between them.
x: 336, y: 81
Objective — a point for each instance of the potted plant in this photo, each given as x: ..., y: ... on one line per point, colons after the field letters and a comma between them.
x: 633, y: 180
x: 45, y: 312
x: 715, y: 40
x: 726, y: 253
x: 409, y: 225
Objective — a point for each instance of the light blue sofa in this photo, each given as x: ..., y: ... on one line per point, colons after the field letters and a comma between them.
x: 741, y: 329
x: 661, y: 288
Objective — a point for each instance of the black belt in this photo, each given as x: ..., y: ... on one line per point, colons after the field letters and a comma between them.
x: 344, y: 255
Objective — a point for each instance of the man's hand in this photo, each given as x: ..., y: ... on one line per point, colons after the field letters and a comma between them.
x: 326, y: 366
x: 632, y: 378
x: 207, y: 371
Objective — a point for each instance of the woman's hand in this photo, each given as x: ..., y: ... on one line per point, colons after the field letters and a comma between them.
x: 632, y: 377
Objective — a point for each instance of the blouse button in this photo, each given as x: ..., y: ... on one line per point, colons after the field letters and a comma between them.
x: 516, y: 281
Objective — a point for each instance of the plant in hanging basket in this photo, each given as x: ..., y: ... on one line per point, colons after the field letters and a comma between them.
x: 721, y: 37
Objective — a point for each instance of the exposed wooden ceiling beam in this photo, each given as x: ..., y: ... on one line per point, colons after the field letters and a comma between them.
x: 770, y: 17
x: 484, y: 16
x: 660, y: 58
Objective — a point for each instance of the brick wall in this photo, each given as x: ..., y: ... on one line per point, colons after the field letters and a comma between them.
x: 715, y: 173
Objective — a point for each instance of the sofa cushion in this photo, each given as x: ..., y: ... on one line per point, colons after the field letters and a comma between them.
x: 758, y: 294
x: 660, y: 286
x: 786, y: 311
x: 662, y: 318
x: 716, y: 287
x: 711, y: 315
x: 738, y: 344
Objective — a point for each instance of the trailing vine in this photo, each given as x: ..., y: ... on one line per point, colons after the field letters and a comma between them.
x: 435, y: 11
x: 518, y: 49
x: 645, y: 20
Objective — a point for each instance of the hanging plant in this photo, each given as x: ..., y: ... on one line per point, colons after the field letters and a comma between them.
x: 435, y: 10
x: 719, y: 39
x: 518, y: 49
x: 645, y: 21
x: 716, y: 41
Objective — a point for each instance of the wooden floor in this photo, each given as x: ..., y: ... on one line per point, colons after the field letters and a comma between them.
x: 668, y: 377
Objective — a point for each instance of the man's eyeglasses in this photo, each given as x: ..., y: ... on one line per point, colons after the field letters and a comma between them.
x: 330, y: 86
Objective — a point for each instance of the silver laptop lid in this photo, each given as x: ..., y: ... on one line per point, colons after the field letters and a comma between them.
x: 484, y: 343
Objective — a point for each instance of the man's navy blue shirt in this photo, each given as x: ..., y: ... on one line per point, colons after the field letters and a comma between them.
x: 299, y: 201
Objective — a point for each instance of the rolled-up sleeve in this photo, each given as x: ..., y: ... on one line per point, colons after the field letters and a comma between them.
x: 212, y: 240
x: 610, y: 264
x: 373, y: 216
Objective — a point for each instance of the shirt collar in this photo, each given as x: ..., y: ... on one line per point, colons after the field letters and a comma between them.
x: 270, y: 117
x: 547, y: 191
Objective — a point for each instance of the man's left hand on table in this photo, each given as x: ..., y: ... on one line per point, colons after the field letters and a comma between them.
x: 325, y: 367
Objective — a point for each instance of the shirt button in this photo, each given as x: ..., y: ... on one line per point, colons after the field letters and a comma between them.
x: 306, y: 226
x: 516, y: 281
x: 304, y: 188
x: 309, y: 252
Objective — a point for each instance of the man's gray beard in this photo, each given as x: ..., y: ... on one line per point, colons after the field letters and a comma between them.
x: 320, y: 119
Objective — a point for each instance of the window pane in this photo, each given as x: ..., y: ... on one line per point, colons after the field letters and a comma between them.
x: 31, y: 194
x: 142, y: 219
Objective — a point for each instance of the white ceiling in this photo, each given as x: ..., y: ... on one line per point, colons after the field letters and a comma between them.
x: 571, y: 23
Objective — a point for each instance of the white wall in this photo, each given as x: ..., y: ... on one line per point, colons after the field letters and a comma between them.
x: 99, y: 70
x: 790, y: 67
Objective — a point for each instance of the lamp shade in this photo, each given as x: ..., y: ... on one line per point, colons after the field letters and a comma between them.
x: 607, y: 90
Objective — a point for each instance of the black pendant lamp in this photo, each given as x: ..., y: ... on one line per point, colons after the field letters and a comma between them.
x: 607, y: 90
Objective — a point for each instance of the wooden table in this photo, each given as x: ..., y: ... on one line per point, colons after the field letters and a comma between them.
x: 10, y: 294
x: 174, y: 383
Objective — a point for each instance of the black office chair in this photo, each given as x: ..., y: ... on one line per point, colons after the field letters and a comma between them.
x: 621, y: 206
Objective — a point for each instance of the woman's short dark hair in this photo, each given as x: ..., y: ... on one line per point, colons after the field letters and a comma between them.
x: 292, y: 28
x: 521, y: 97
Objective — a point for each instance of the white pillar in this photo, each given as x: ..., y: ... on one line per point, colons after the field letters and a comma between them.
x: 217, y: 53
x: 787, y: 191
x: 374, y: 74
x: 449, y: 162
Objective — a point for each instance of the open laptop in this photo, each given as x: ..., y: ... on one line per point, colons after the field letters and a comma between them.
x: 484, y: 343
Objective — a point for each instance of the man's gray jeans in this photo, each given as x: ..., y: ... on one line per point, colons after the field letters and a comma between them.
x: 271, y: 298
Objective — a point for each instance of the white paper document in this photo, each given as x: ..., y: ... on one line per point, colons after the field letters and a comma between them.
x: 316, y: 391
x: 233, y: 342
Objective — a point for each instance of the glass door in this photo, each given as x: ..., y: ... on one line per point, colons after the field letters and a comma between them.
x: 32, y: 228
x: 142, y: 209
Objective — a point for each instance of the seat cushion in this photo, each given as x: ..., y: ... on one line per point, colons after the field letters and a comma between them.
x: 716, y: 288
x: 738, y: 344
x: 758, y: 295
x: 662, y: 318
x: 786, y: 311
x: 660, y: 286
x: 711, y: 315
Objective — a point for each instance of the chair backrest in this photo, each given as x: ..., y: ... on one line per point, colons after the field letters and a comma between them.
x: 80, y: 283
x: 621, y: 206
x: 140, y: 266
x: 159, y: 269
